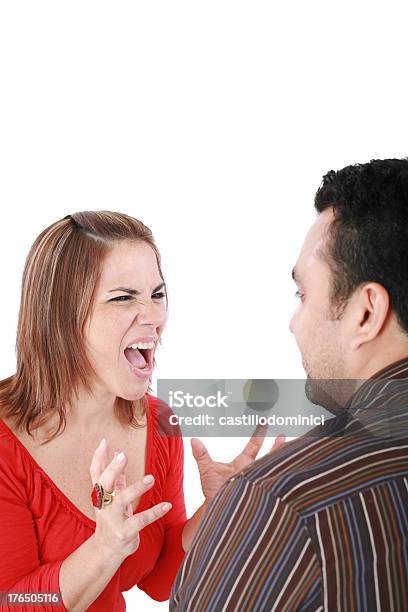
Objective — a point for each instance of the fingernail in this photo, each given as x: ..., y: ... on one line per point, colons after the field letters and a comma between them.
x: 148, y: 479
x: 102, y: 443
x: 120, y: 458
x: 166, y: 506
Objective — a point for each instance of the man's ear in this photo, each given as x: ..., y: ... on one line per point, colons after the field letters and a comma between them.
x: 369, y: 312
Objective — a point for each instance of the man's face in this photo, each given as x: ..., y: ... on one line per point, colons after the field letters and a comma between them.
x: 321, y: 339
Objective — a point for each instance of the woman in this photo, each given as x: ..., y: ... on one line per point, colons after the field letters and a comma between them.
x: 74, y: 519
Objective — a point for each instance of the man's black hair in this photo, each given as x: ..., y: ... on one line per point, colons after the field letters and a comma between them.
x: 368, y: 238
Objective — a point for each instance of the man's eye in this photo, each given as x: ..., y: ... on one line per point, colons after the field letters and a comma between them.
x: 159, y: 295
x: 298, y: 294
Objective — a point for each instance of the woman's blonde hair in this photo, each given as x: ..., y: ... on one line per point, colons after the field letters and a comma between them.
x: 59, y: 280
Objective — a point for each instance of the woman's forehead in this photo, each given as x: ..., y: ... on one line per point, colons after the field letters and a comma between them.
x: 130, y: 261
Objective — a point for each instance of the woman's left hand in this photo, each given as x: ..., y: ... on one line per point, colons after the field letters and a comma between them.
x: 213, y: 474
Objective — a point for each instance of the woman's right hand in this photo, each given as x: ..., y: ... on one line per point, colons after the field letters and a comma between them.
x: 117, y: 530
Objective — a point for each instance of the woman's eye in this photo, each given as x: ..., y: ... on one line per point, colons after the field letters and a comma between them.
x: 121, y: 298
x: 124, y: 298
x: 298, y: 294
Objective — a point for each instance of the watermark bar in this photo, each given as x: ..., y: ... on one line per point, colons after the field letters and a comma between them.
x: 289, y: 407
x: 9, y: 598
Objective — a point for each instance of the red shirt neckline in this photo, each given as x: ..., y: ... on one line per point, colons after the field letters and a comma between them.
x: 65, y: 500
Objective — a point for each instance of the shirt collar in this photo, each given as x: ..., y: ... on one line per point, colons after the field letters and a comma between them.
x: 382, y: 383
x: 380, y: 404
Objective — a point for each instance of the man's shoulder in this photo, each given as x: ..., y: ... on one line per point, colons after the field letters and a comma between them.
x: 281, y: 470
x: 311, y: 473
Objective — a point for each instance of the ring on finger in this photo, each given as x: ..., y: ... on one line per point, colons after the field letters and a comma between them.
x: 100, y: 497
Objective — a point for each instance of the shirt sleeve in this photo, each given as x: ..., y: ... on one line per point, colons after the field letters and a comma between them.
x: 157, y: 584
x: 21, y: 570
x: 250, y: 552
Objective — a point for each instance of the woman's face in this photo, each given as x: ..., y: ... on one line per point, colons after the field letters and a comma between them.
x: 129, y: 309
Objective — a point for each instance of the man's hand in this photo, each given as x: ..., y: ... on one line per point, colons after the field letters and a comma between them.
x: 213, y: 474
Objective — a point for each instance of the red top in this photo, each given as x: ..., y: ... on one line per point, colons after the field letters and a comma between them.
x: 40, y: 526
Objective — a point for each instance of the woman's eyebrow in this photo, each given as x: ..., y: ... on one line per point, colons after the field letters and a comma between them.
x: 135, y: 291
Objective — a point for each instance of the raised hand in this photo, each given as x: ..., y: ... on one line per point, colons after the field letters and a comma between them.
x: 213, y: 474
x: 117, y: 528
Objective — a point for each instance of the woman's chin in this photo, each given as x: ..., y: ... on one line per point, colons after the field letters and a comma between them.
x: 134, y: 392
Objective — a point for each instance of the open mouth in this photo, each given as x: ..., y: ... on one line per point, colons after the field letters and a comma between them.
x: 140, y: 358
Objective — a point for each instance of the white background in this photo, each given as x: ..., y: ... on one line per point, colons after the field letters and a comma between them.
x: 212, y: 122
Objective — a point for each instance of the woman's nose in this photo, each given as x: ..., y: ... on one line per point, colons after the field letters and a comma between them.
x: 150, y: 313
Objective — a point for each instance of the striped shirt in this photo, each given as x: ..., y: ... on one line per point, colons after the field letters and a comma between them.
x: 320, y: 524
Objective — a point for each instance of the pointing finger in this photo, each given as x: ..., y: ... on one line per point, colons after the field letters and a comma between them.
x: 141, y: 519
x: 128, y: 495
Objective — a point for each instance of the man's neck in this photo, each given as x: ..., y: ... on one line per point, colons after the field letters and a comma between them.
x: 378, y: 362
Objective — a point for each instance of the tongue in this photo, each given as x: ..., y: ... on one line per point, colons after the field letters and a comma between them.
x: 136, y: 358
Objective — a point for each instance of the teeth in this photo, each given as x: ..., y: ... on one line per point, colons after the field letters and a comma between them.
x: 142, y: 345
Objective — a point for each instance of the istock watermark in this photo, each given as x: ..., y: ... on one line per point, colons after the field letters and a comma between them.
x: 180, y: 399
x: 236, y: 407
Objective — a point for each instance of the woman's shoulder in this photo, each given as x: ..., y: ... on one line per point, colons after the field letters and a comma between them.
x: 166, y: 432
x: 163, y: 414
x: 10, y: 434
x: 7, y: 428
x: 156, y: 403
x: 13, y: 460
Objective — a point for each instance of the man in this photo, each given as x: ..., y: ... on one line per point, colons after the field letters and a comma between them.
x: 322, y: 523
